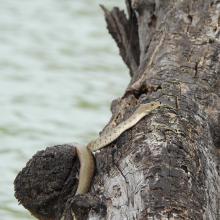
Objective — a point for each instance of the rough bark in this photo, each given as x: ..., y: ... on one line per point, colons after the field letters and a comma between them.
x: 166, y: 166
x: 44, y: 185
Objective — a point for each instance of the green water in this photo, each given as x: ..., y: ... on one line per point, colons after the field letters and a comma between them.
x: 59, y: 71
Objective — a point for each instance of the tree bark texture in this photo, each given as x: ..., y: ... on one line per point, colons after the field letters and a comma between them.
x: 167, y: 165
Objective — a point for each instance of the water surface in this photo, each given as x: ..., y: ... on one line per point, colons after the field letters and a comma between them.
x: 59, y: 72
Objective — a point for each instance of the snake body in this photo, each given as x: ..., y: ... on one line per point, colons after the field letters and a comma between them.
x: 87, y: 168
x: 87, y: 164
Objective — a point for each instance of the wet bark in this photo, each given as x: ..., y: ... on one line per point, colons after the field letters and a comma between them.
x: 167, y: 165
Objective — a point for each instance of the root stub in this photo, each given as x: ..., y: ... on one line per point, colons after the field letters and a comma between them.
x: 46, y: 182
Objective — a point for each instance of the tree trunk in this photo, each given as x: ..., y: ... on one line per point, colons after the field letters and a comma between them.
x: 167, y: 165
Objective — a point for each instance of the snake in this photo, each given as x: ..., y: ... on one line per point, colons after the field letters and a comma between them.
x: 85, y: 153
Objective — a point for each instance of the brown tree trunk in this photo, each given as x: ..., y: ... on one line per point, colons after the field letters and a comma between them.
x: 167, y: 165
